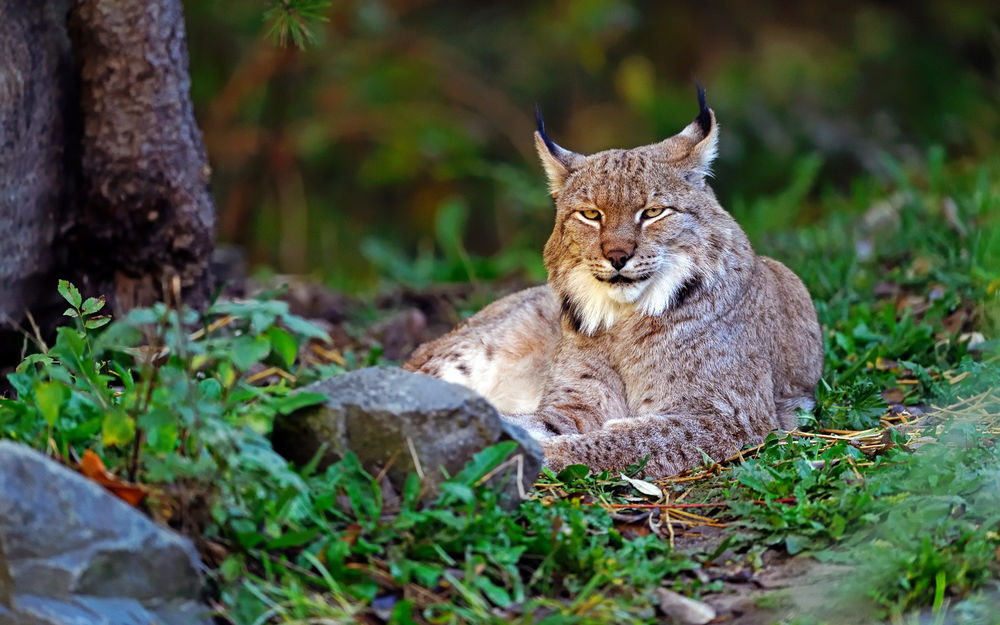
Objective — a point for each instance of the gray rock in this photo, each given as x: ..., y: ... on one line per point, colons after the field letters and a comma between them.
x: 684, y: 609
x: 407, y: 422
x: 77, y: 554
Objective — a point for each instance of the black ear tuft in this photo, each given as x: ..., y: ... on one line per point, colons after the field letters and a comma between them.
x: 704, y: 117
x: 553, y: 150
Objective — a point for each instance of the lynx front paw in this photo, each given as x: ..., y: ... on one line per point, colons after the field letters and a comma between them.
x: 558, y: 452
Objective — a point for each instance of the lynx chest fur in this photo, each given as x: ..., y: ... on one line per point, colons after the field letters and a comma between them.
x: 660, y: 332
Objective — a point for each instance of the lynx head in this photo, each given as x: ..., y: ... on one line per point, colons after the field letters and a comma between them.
x: 635, y: 230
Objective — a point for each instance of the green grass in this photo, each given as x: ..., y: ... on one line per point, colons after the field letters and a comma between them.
x: 921, y: 525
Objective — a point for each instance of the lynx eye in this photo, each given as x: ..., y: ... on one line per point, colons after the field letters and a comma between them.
x: 593, y: 215
x: 649, y: 213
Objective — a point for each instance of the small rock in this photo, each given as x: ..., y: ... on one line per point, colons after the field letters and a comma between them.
x: 973, y: 340
x: 684, y: 609
x: 383, y: 606
x: 407, y: 422
x: 742, y: 576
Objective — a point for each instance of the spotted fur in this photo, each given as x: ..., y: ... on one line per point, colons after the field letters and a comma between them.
x: 692, y: 344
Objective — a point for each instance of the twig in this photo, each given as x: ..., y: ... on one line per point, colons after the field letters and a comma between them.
x: 260, y: 375
x: 36, y: 330
x: 416, y: 459
x: 678, y: 506
x: 516, y: 460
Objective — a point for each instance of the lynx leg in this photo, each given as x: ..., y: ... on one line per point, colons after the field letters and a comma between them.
x: 672, y: 442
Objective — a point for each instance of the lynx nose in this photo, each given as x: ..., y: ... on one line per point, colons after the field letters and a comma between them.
x: 618, y: 258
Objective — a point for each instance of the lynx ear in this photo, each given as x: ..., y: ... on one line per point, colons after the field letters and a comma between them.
x: 558, y: 163
x: 693, y: 149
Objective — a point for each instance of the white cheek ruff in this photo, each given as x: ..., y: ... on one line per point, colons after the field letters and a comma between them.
x: 594, y: 305
x: 626, y: 293
x: 675, y: 270
x: 599, y: 305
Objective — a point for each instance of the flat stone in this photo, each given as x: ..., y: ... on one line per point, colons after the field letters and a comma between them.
x: 405, y: 422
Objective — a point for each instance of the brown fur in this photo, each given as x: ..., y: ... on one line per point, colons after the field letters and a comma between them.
x: 693, y: 344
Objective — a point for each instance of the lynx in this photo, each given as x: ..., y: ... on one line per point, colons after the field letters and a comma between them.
x: 660, y: 332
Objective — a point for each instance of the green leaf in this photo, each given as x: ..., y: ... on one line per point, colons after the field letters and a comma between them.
x: 298, y: 325
x: 92, y: 305
x: 795, y: 543
x: 940, y: 584
x: 249, y: 350
x: 69, y: 344
x: 43, y: 360
x: 161, y: 427
x: 484, y: 462
x: 284, y: 345
x: 118, y: 337
x: 427, y: 575
x: 249, y: 538
x: 837, y: 526
x: 497, y: 594
x: 293, y: 539
x: 461, y: 492
x: 290, y: 403
x: 49, y: 397
x: 210, y: 388
x: 751, y: 475
x: 96, y: 322
x: 142, y: 316
x: 118, y: 428
x: 573, y: 473
x: 85, y: 431
x: 411, y: 491
x: 70, y: 293
x: 402, y: 613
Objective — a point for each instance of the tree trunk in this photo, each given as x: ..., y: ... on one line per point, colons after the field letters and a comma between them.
x: 37, y: 95
x: 144, y: 228
x: 103, y: 175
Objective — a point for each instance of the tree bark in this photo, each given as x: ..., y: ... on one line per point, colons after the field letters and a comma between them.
x: 103, y: 175
x: 144, y: 227
x: 37, y: 93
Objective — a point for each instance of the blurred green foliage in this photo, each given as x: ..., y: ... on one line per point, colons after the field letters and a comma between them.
x: 289, y: 21
x: 398, y: 145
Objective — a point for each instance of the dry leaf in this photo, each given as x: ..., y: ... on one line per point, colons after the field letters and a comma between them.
x: 893, y: 395
x: 93, y: 467
x: 885, y: 364
x: 644, y: 487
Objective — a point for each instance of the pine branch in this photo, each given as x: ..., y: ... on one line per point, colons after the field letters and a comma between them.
x: 291, y: 21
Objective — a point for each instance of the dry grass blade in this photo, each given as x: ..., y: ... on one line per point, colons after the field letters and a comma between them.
x: 260, y: 375
x: 983, y: 408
